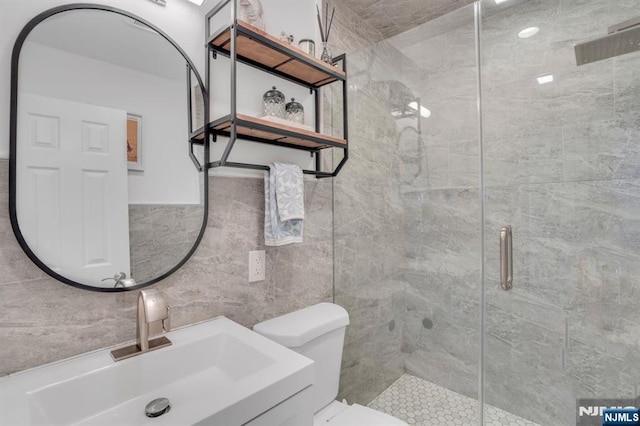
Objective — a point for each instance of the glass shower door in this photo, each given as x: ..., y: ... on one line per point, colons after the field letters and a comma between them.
x: 561, y: 147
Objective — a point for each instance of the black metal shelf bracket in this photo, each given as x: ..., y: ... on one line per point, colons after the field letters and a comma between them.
x: 193, y: 140
x: 193, y: 157
x: 229, y: 49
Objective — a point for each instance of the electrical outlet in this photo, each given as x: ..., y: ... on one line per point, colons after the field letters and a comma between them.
x: 256, y: 266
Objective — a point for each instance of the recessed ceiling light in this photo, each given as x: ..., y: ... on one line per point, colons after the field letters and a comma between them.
x: 500, y: 1
x: 198, y: 2
x: 528, y: 32
x: 545, y: 79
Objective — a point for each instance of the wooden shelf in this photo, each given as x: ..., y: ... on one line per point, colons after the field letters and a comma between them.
x: 259, y: 49
x: 265, y: 52
x: 264, y: 131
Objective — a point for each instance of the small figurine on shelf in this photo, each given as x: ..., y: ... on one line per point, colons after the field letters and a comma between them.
x: 286, y: 38
x: 251, y: 12
x: 324, y: 33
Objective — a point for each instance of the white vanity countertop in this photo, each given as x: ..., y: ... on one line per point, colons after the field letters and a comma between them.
x: 216, y: 372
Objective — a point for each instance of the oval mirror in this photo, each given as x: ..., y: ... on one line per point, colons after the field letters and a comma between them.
x: 106, y: 192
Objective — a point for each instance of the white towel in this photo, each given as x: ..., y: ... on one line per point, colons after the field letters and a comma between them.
x: 283, y: 204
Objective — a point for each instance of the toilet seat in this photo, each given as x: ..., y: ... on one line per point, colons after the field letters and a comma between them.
x: 341, y: 414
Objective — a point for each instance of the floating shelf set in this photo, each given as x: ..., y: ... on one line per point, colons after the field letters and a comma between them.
x: 241, y: 42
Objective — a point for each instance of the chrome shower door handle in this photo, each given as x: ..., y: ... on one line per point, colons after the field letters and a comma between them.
x: 506, y: 258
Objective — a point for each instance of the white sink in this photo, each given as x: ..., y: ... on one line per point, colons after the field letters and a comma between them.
x: 216, y: 372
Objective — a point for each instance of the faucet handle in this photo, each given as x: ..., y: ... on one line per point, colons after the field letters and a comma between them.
x: 166, y: 323
x: 117, y: 277
x: 155, y: 307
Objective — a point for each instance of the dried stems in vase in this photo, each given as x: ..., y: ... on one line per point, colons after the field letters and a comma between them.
x: 325, y: 32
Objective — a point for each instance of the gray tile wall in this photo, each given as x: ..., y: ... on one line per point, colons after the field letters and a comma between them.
x: 442, y: 208
x: 392, y: 18
x: 368, y: 214
x: 561, y: 166
x: 160, y: 236
x: 42, y: 320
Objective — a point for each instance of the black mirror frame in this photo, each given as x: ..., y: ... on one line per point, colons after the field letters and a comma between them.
x: 15, y: 59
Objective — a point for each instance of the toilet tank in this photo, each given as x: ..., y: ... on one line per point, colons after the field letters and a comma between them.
x: 316, y: 332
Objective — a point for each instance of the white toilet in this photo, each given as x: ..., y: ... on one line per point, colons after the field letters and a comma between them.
x: 317, y: 332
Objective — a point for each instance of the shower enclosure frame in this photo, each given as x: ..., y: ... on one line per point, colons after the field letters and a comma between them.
x: 477, y: 21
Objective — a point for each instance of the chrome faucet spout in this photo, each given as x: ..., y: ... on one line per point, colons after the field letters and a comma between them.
x: 142, y: 326
x: 151, y: 309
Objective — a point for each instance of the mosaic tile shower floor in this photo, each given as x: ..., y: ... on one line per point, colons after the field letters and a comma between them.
x: 419, y: 402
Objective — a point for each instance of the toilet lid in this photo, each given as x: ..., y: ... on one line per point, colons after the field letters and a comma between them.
x: 357, y: 415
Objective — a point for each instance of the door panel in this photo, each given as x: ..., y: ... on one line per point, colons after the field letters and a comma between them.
x: 562, y: 168
x: 73, y: 172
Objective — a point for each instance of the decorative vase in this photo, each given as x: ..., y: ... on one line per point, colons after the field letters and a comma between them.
x: 326, y: 54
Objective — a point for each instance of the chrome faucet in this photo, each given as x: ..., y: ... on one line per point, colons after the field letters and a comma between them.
x: 121, y: 280
x: 125, y: 283
x: 151, y: 309
x: 154, y: 317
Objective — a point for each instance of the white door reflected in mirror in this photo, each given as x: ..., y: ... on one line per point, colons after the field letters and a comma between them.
x: 72, y: 194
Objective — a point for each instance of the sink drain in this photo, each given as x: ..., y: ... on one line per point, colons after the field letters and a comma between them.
x: 157, y: 407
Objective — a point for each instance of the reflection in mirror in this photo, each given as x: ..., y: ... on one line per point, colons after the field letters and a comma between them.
x: 106, y: 190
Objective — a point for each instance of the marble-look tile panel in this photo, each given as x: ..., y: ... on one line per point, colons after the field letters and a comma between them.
x: 560, y: 167
x: 350, y: 32
x: 368, y: 286
x: 602, y: 150
x: 15, y: 264
x: 368, y: 211
x: 397, y: 17
x: 528, y: 158
x: 565, y: 317
x: 626, y: 89
x: 160, y: 236
x: 42, y: 320
x: 442, y: 269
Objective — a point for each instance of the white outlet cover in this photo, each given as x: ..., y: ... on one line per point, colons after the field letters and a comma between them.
x: 257, y: 266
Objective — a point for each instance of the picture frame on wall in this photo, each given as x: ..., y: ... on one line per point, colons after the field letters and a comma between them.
x: 134, y: 142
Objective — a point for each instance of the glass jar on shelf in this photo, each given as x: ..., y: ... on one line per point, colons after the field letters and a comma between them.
x: 273, y: 103
x: 295, y: 112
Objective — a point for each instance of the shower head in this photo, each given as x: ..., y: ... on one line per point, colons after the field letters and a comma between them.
x: 397, y: 96
x: 623, y: 38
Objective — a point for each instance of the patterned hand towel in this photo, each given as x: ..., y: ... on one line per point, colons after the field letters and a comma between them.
x: 283, y: 204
